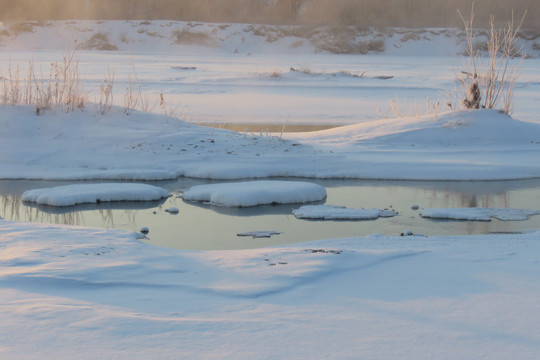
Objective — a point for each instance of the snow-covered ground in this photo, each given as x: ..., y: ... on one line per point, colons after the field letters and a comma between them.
x: 70, y: 292
x: 88, y: 293
x: 468, y: 145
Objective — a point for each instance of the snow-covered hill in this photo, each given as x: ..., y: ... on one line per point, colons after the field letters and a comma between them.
x: 469, y: 145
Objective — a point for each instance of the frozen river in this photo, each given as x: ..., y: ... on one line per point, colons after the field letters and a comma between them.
x: 281, y: 89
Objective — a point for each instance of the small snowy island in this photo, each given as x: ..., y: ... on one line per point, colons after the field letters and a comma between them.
x: 253, y: 193
x: 70, y: 195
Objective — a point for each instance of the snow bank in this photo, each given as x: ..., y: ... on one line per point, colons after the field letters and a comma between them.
x: 253, y: 193
x: 99, y: 294
x: 94, y: 193
x: 479, y: 214
x: 332, y: 212
x: 464, y: 145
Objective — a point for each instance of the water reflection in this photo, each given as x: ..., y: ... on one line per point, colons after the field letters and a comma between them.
x: 202, y: 226
x: 285, y: 209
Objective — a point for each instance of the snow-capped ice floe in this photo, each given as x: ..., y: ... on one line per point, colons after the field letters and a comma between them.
x: 253, y: 193
x: 479, y: 214
x: 94, y: 193
x: 332, y: 212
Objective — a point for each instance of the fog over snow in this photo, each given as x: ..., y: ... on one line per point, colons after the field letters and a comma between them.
x: 72, y: 292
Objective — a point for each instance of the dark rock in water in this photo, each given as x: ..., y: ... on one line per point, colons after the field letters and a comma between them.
x: 259, y: 234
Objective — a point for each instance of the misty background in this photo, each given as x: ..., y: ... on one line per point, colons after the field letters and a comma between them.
x: 376, y: 13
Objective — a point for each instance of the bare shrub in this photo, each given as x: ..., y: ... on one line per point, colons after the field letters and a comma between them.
x: 344, y: 40
x: 20, y: 27
x: 374, y: 45
x: 488, y: 83
x: 98, y: 41
x: 188, y: 37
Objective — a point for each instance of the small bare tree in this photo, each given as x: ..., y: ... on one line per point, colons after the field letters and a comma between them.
x: 494, y: 81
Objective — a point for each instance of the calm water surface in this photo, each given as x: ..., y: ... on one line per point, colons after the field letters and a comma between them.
x: 199, y: 226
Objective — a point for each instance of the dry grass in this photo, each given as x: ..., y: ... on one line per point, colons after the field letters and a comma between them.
x: 134, y: 99
x: 400, y: 110
x: 106, y: 94
x: 188, y: 37
x: 61, y: 89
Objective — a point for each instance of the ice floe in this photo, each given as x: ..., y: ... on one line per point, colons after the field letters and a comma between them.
x: 332, y: 212
x: 479, y: 214
x: 94, y: 193
x: 253, y: 193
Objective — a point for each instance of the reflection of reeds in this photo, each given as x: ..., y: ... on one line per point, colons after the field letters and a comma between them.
x: 61, y: 89
x: 11, y: 206
x: 107, y: 217
x: 70, y: 218
x: 455, y: 199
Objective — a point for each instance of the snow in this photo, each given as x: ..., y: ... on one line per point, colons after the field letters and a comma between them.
x: 73, y: 292
x: 479, y: 214
x: 101, y: 293
x: 486, y: 146
x: 253, y: 193
x: 94, y: 193
x: 333, y: 212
